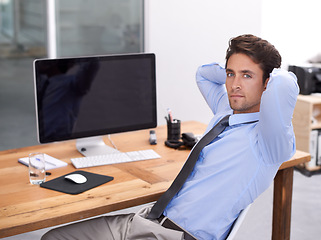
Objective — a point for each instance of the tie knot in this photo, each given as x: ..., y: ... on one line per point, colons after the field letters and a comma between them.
x: 225, y: 120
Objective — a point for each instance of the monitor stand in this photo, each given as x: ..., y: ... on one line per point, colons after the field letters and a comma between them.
x: 93, y: 146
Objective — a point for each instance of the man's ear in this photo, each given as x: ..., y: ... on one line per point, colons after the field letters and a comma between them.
x: 266, y: 83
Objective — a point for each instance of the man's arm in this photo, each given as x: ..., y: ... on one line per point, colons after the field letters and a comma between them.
x: 276, y: 135
x: 210, y: 79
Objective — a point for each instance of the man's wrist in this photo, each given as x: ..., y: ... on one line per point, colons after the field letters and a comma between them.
x: 213, y: 72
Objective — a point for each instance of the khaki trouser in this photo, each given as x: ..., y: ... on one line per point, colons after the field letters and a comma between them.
x: 119, y: 227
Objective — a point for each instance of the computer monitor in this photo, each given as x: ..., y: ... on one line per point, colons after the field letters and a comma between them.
x: 85, y: 98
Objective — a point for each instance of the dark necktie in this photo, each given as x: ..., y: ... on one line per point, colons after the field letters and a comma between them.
x: 162, y: 202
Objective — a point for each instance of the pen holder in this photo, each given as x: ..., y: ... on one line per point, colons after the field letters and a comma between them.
x: 174, y: 130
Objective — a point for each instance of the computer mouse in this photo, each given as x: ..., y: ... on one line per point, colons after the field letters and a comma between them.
x: 76, y: 178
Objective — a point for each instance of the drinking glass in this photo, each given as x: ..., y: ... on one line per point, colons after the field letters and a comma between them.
x: 37, y: 172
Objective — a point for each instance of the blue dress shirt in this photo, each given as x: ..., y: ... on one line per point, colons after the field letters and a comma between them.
x: 241, y: 162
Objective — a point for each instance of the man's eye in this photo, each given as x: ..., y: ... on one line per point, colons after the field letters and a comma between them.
x: 247, y: 76
x: 229, y: 74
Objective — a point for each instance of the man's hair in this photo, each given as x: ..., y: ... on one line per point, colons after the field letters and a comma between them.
x: 259, y: 50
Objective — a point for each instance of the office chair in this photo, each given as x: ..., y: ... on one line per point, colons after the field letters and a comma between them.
x: 237, y: 223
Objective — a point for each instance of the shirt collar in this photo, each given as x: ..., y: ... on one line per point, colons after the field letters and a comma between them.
x: 243, y: 118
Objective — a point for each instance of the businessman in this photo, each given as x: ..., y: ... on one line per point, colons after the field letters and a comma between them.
x: 235, y: 167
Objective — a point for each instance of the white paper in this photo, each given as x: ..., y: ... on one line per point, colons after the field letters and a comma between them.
x: 50, y: 162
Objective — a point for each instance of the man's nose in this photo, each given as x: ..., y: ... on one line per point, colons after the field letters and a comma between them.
x: 236, y: 83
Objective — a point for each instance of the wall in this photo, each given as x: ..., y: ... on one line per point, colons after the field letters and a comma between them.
x: 185, y: 34
x: 293, y: 26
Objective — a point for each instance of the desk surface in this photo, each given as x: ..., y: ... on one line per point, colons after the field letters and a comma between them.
x: 25, y: 207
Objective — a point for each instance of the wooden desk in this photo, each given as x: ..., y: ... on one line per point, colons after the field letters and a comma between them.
x: 25, y: 207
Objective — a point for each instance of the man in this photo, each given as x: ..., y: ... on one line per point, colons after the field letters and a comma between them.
x: 239, y: 164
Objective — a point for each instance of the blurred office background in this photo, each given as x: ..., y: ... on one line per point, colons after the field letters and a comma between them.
x: 81, y: 27
x: 183, y: 35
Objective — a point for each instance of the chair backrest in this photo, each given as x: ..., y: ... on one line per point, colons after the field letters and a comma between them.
x: 236, y: 225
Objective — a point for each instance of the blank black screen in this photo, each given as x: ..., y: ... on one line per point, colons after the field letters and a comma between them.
x: 92, y: 96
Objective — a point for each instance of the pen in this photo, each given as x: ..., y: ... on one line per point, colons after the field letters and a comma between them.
x: 169, y: 112
x: 47, y: 162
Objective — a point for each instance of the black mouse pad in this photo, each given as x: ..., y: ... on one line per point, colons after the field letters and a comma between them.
x: 61, y: 184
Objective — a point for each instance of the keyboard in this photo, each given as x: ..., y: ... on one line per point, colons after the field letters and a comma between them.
x: 113, y: 158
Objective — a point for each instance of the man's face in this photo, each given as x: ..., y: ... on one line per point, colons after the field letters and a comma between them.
x: 244, y: 83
